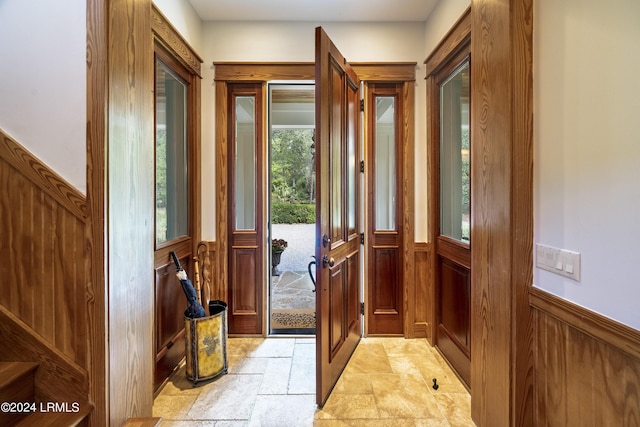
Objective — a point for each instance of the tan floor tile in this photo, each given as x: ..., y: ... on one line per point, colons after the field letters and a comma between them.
x: 353, y: 383
x: 369, y: 357
x: 283, y: 410
x: 172, y: 407
x: 403, y: 396
x: 435, y: 367
x: 387, y: 383
x: 188, y: 423
x: 431, y: 423
x: 404, y: 364
x: 179, y: 384
x: 242, y: 346
x: 367, y: 423
x: 402, y: 346
x: 348, y: 406
x: 457, y: 408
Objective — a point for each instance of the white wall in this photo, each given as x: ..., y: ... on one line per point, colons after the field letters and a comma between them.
x: 587, y: 149
x: 184, y: 19
x: 43, y: 47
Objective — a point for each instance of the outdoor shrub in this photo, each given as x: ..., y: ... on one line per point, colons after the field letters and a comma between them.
x: 290, y: 213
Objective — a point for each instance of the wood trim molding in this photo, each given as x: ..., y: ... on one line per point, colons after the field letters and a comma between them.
x: 385, y: 72
x: 58, y: 376
x: 41, y: 175
x: 263, y: 71
x: 97, y: 289
x: 171, y: 39
x: 615, y: 334
x: 502, y: 356
x: 457, y: 36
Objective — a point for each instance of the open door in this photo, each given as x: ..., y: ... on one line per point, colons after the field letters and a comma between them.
x: 338, y: 328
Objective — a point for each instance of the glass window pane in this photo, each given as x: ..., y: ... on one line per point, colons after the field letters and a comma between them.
x: 336, y: 155
x: 245, y: 163
x: 352, y: 156
x: 454, y: 155
x: 171, y: 156
x: 385, y: 164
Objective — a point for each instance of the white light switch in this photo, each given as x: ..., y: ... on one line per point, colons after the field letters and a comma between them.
x: 560, y: 261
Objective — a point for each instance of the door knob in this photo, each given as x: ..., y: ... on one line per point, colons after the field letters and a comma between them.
x: 328, y: 261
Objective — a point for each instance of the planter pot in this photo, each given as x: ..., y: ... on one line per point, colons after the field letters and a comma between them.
x: 275, y: 260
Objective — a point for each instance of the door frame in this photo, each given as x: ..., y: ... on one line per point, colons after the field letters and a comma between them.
x: 403, y: 73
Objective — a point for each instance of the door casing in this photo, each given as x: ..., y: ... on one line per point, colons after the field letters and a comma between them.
x: 402, y: 74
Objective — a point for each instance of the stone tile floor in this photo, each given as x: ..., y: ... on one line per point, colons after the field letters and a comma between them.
x: 271, y: 382
x: 292, y: 290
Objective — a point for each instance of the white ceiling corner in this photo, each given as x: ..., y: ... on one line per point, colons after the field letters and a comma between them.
x: 315, y: 10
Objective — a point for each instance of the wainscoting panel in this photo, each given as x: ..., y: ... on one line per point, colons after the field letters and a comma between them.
x: 587, y: 366
x: 43, y: 267
x: 419, y: 301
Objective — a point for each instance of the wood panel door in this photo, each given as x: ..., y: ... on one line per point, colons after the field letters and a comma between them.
x: 451, y: 106
x: 338, y: 327
x: 246, y: 217
x: 384, y: 305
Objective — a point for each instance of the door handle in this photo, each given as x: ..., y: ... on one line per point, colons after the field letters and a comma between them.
x: 328, y: 261
x: 325, y: 240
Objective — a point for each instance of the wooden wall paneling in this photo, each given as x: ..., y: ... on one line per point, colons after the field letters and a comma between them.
x: 501, y: 213
x: 42, y: 224
x: 130, y: 209
x: 587, y: 366
x: 584, y: 376
x: 42, y: 176
x: 420, y: 305
x: 96, y: 289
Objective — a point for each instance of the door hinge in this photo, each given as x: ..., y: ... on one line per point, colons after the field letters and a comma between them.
x: 362, y: 308
x: 362, y: 238
x: 362, y: 105
x: 361, y: 166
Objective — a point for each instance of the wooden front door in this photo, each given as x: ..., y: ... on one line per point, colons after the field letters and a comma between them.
x: 452, y: 191
x: 385, y: 290
x: 338, y: 327
x: 246, y: 218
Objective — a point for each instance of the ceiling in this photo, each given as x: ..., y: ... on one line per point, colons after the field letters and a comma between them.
x: 314, y: 10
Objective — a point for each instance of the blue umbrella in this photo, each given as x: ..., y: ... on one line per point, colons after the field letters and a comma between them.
x: 194, y: 308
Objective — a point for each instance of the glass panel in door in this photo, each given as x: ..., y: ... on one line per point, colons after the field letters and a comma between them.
x: 245, y: 164
x: 454, y: 155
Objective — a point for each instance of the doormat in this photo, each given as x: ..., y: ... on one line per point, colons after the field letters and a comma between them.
x: 294, y: 319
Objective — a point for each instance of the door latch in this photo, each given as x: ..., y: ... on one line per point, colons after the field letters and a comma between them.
x: 328, y: 261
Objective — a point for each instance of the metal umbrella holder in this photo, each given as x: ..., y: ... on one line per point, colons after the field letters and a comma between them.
x: 205, y: 336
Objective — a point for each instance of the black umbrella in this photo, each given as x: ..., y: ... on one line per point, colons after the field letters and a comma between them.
x: 194, y: 308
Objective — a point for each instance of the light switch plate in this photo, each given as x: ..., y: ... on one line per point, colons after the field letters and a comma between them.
x: 559, y: 261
